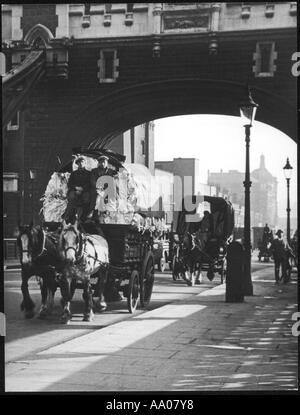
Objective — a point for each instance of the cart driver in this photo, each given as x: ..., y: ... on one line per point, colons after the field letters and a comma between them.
x: 101, y: 170
x: 205, y: 230
x: 79, y: 192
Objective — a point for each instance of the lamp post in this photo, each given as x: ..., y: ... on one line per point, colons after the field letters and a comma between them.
x: 247, y: 110
x: 288, y: 170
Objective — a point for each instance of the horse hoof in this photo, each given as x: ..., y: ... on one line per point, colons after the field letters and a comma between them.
x: 65, y: 319
x: 29, y: 314
x: 100, y: 307
x: 88, y: 317
x: 42, y: 315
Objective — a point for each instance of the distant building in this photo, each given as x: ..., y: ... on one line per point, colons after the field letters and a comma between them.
x: 137, y: 144
x: 230, y: 182
x: 263, y: 192
x: 264, y: 196
x: 187, y: 170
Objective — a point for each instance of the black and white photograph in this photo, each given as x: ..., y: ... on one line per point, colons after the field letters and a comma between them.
x: 149, y: 231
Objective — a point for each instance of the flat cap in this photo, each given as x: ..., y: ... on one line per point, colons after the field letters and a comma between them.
x: 102, y: 157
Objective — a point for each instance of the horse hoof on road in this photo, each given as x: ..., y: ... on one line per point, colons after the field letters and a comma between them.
x: 42, y: 314
x: 65, y: 318
x: 100, y: 307
x: 88, y: 316
x: 29, y: 314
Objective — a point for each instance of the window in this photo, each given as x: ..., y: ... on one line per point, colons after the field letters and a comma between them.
x: 264, y: 57
x: 108, y: 64
x: 10, y: 182
x: 14, y: 123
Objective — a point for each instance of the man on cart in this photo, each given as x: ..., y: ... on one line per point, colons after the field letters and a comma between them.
x: 79, y: 192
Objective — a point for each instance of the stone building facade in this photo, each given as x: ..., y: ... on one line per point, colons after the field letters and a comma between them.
x: 263, y: 192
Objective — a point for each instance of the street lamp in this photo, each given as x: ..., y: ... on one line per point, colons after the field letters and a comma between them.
x: 288, y: 170
x: 247, y: 110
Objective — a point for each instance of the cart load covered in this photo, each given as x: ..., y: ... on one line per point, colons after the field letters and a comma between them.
x: 193, y: 207
x: 132, y: 192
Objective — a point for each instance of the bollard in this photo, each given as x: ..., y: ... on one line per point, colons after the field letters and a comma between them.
x: 235, y: 273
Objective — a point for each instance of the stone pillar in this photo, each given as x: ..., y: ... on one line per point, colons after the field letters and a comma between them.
x: 215, y: 19
x: 157, y: 10
x: 62, y: 11
x: 215, y: 16
x: 16, y: 15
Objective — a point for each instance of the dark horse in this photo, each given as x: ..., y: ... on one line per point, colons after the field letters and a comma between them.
x: 192, y: 258
x: 38, y: 257
x: 83, y: 255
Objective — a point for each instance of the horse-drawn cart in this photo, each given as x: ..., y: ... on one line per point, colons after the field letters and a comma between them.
x: 197, y: 250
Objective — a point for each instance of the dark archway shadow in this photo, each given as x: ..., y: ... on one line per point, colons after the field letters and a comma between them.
x: 115, y: 113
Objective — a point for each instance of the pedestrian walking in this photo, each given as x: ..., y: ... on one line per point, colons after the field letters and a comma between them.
x: 280, y: 250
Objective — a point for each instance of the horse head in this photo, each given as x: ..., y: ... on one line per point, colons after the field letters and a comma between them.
x: 70, y: 242
x: 31, y: 242
x: 188, y: 242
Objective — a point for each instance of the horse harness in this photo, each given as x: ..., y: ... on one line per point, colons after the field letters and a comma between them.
x: 43, y: 249
x: 81, y: 253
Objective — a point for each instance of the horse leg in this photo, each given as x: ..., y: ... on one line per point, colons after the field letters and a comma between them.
x: 88, y: 300
x: 48, y: 288
x: 65, y: 288
x: 101, y: 304
x: 44, y: 294
x: 27, y: 304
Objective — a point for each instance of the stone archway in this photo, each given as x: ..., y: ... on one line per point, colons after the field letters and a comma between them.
x: 113, y: 114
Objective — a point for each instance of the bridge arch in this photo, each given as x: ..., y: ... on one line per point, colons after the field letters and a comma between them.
x: 113, y: 114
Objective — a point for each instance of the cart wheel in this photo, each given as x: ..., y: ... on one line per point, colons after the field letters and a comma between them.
x: 133, y: 292
x: 147, y: 280
x: 162, y: 264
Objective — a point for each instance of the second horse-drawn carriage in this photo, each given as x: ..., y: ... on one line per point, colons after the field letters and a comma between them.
x: 199, y: 246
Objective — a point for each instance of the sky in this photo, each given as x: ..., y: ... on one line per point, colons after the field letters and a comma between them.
x: 219, y: 143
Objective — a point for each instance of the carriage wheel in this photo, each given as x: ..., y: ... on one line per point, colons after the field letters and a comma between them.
x: 133, y: 292
x: 162, y: 264
x: 147, y: 280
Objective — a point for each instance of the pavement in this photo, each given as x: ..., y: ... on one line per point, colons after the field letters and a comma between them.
x: 199, y: 343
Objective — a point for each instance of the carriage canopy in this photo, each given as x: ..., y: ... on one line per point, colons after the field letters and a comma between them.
x: 221, y: 210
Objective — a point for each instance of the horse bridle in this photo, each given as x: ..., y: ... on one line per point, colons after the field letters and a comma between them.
x: 27, y: 250
x: 78, y: 254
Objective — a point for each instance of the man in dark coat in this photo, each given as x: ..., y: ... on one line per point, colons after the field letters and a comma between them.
x: 79, y: 192
x: 101, y: 171
x: 280, y: 250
